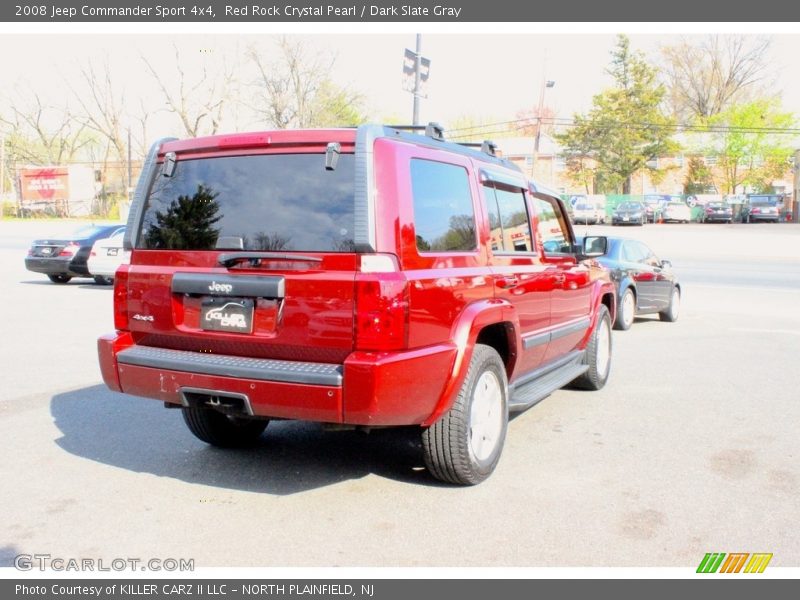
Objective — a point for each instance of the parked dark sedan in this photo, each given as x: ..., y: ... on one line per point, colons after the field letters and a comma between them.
x: 760, y: 208
x: 61, y: 259
x: 719, y: 212
x: 629, y: 213
x: 645, y: 283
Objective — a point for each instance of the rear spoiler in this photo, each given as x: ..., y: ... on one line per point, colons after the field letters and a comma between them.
x: 140, y: 195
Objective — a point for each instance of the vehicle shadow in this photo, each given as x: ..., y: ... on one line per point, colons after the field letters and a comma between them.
x: 140, y: 435
x: 84, y: 284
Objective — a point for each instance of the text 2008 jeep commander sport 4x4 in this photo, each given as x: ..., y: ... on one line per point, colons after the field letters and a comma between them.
x: 367, y: 277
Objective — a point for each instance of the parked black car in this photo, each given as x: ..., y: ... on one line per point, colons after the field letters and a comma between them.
x: 645, y: 284
x: 629, y: 213
x: 716, y: 212
x: 762, y: 207
x: 61, y: 259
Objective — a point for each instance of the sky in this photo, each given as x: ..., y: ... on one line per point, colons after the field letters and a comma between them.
x: 492, y: 76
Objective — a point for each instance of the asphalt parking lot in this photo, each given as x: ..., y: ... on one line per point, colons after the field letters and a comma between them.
x: 692, y: 447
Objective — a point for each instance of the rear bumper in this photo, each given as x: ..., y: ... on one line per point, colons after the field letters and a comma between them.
x: 376, y: 389
x: 54, y: 266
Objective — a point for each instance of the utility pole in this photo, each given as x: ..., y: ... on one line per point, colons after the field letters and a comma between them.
x: 418, y: 51
x: 546, y: 83
x: 416, y: 69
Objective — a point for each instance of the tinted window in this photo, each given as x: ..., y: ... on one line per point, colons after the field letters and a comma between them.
x: 444, y: 218
x: 509, y: 224
x: 631, y: 206
x: 267, y: 202
x: 636, y: 252
x: 87, y: 231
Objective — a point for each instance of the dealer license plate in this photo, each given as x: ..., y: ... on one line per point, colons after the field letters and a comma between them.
x: 227, y: 314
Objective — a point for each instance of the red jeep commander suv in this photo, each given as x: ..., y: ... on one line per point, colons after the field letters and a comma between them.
x: 369, y: 277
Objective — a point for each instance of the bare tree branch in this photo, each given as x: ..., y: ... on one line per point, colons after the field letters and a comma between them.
x: 703, y: 79
x: 198, y: 104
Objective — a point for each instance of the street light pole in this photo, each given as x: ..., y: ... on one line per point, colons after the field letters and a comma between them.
x: 546, y: 83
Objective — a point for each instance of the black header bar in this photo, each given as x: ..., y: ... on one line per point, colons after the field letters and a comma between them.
x: 387, y: 11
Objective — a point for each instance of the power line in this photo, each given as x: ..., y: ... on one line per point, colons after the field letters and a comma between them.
x: 481, y: 130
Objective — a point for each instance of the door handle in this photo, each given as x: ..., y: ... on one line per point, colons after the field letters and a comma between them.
x: 559, y: 279
x: 507, y: 282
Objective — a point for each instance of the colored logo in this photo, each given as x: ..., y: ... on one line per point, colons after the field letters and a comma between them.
x: 737, y: 562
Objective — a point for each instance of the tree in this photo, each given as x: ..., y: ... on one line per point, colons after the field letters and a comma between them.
x: 698, y: 178
x: 748, y: 146
x: 198, y: 100
x: 40, y: 133
x: 296, y: 90
x: 188, y: 223
x: 102, y: 101
x: 625, y: 128
x: 703, y: 79
x: 474, y: 128
x: 528, y: 120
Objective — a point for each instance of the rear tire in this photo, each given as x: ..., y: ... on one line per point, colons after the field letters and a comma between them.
x: 60, y: 278
x: 464, y: 445
x: 673, y: 310
x: 598, y: 354
x: 219, y: 429
x: 102, y: 280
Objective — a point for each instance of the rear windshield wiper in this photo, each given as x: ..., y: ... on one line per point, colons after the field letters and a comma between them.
x: 231, y: 258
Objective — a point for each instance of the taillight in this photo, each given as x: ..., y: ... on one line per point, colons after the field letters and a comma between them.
x: 381, y: 310
x: 70, y: 249
x: 755, y: 211
x: 121, y: 298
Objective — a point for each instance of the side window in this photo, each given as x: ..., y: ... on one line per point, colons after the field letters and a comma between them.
x: 444, y: 218
x: 635, y: 252
x: 509, y: 223
x: 551, y: 226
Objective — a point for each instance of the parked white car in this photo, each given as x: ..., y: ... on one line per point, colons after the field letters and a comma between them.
x: 106, y: 255
x: 587, y: 211
x: 676, y: 212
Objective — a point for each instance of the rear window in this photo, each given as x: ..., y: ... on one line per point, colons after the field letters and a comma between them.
x: 86, y: 231
x: 266, y: 202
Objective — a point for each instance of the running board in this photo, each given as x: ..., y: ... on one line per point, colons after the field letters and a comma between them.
x: 527, y: 394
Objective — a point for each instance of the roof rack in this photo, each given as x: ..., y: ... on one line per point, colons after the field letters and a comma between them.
x: 432, y: 130
x: 436, y: 132
x: 486, y: 146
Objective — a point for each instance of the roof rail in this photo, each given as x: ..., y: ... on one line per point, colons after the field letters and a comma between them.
x: 487, y: 146
x: 432, y: 130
